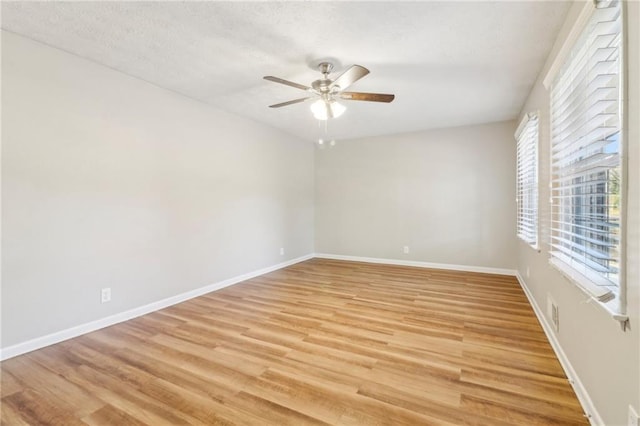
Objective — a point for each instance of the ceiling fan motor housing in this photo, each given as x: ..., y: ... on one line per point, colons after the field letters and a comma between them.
x: 323, y: 85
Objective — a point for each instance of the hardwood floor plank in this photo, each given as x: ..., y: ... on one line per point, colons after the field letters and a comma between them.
x: 319, y: 342
x: 536, y: 386
x: 434, y: 411
x: 308, y: 397
x: 264, y: 411
x: 10, y: 416
x: 45, y: 384
x: 110, y: 415
x: 128, y: 398
x: 515, y: 415
x: 336, y: 374
x: 9, y: 384
x: 39, y: 409
x: 427, y: 388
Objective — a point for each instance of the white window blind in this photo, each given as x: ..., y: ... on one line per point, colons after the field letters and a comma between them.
x: 585, y: 157
x: 527, y: 179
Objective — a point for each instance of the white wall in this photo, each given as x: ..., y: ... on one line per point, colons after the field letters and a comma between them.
x: 111, y: 182
x: 448, y: 194
x: 606, y: 359
x: 108, y: 181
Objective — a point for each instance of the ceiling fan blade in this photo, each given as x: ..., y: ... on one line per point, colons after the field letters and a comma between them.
x: 286, y: 82
x: 295, y: 101
x: 372, y: 97
x: 350, y: 76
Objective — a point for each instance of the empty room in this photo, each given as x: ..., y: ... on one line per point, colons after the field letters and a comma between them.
x: 320, y: 212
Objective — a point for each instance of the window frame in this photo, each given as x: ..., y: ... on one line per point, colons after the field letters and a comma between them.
x: 615, y: 302
x: 527, y: 137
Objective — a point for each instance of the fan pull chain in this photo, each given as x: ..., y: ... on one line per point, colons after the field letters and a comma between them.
x: 323, y: 140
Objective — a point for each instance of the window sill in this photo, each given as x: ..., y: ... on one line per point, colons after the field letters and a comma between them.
x: 604, y: 297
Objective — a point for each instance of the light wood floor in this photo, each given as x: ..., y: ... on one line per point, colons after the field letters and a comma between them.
x: 319, y: 342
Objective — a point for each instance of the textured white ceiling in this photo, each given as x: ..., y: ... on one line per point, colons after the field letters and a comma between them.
x: 448, y: 63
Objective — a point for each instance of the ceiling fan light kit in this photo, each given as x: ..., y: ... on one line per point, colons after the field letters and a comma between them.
x: 324, y: 109
x: 326, y: 91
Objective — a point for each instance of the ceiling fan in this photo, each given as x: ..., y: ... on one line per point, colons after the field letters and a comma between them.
x: 327, y: 91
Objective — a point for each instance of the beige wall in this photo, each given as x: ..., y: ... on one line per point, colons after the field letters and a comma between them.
x: 606, y: 359
x: 108, y: 181
x: 448, y: 194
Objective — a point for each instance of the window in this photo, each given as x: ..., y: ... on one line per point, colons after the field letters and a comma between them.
x: 586, y: 147
x: 527, y: 180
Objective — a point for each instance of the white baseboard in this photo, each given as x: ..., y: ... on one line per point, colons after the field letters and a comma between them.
x: 50, y: 339
x: 466, y: 268
x: 581, y: 392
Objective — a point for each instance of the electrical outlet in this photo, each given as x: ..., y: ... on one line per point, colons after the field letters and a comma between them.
x: 633, y: 419
x: 281, y: 251
x: 405, y: 249
x: 528, y: 272
x: 105, y: 295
